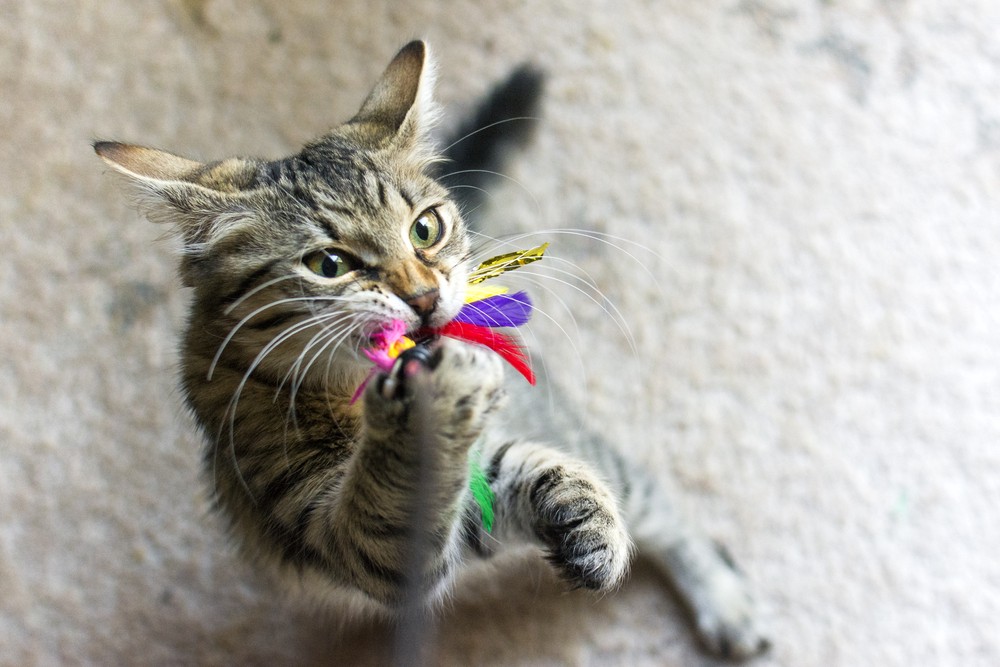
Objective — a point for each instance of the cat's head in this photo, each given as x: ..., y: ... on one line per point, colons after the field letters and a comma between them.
x: 351, y: 230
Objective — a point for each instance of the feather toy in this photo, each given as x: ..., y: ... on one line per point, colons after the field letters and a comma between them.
x: 486, y: 309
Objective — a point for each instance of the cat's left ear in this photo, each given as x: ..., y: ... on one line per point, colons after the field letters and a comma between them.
x: 400, y: 108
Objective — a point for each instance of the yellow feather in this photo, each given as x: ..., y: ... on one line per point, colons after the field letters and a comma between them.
x: 477, y: 292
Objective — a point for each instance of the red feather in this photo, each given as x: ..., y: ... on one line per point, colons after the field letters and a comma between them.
x: 504, y: 345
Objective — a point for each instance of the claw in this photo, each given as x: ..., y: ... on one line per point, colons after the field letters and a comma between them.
x: 408, y: 363
x: 420, y: 352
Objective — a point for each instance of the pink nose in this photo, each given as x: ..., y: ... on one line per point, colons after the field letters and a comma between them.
x: 423, y: 304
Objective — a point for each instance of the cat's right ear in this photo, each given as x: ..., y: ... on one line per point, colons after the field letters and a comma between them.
x: 147, y: 164
x: 158, y: 170
x: 190, y: 196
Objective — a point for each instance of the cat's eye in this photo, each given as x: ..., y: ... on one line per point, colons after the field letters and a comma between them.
x: 426, y: 230
x: 328, y: 263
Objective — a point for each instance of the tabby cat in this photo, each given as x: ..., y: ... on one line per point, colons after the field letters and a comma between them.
x: 294, y: 264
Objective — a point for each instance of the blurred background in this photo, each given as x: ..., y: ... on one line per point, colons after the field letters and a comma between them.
x: 814, y: 301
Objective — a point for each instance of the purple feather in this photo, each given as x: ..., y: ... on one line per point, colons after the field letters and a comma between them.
x: 500, y: 310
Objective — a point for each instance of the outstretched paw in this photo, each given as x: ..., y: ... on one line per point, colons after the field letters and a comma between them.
x: 725, y: 616
x: 582, y: 530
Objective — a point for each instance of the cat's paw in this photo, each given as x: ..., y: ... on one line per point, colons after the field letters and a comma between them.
x: 466, y: 385
x: 389, y: 396
x: 458, y: 385
x: 725, y: 616
x: 579, y: 523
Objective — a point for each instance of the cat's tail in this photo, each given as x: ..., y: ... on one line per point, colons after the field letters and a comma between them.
x: 477, y: 151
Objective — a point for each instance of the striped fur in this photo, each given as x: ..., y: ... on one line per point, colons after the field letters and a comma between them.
x: 323, y: 488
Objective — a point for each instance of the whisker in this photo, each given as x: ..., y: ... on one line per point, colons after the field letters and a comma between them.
x: 528, y: 331
x: 470, y: 187
x: 484, y: 128
x: 256, y: 290
x: 232, y: 408
x: 575, y: 279
x: 611, y: 240
x: 328, y: 322
x: 521, y: 185
x: 611, y: 309
x: 329, y: 366
x: 334, y: 333
x: 614, y: 313
x: 467, y: 213
x: 255, y: 313
x: 334, y: 340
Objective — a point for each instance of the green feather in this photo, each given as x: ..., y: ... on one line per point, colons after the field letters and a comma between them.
x: 483, y: 494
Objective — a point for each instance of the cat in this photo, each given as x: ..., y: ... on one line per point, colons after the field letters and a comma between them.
x: 293, y: 265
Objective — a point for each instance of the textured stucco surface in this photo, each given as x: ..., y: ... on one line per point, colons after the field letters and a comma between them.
x: 815, y: 187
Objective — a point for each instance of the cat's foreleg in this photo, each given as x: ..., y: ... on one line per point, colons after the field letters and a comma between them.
x: 550, y: 498
x: 706, y: 579
x: 420, y: 419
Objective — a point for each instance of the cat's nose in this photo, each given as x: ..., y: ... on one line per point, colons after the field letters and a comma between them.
x: 423, y: 304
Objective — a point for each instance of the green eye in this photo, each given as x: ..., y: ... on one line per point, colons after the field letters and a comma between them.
x: 328, y: 264
x: 426, y: 230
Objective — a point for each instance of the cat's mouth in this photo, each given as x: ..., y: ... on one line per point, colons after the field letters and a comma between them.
x: 397, y: 330
x: 393, y: 339
x: 416, y: 328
